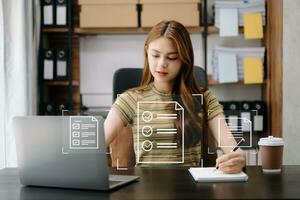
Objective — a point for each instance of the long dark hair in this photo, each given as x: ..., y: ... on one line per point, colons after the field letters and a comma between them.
x: 185, y: 85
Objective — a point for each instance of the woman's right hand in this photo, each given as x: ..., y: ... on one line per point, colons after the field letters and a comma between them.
x: 232, y: 162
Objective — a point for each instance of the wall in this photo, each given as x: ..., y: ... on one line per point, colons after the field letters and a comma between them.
x: 291, y: 73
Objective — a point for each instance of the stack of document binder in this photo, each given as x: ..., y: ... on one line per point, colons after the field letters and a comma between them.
x: 242, y: 6
x: 228, y: 63
x: 54, y: 13
x: 55, y: 64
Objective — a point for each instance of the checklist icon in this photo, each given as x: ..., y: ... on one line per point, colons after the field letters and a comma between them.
x: 154, y: 126
x: 83, y: 132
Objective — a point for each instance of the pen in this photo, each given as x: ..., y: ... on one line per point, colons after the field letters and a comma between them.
x: 235, y: 148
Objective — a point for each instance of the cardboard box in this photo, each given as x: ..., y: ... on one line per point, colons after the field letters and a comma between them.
x: 183, y: 11
x: 108, y: 13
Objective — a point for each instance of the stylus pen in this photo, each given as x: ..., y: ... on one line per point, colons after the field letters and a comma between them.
x: 236, y: 147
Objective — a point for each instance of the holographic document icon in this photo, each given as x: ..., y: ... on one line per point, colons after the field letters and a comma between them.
x: 83, y: 132
x: 239, y: 128
x: 156, y: 132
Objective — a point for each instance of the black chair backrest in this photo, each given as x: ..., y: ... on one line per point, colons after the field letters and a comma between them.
x: 126, y: 78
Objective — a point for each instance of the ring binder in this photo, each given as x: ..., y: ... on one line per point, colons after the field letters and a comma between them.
x: 48, y: 67
x: 61, y: 72
x: 61, y: 13
x: 246, y: 114
x: 48, y: 12
x: 258, y: 119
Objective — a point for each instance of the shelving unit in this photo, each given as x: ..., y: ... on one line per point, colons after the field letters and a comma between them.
x: 91, y: 31
x: 55, y: 30
x: 272, y: 85
x: 65, y: 93
x: 272, y: 92
x: 62, y: 83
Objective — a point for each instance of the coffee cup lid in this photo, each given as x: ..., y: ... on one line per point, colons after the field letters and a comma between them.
x: 271, y: 141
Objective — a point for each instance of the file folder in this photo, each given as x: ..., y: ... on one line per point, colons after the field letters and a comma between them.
x: 48, y: 12
x: 258, y: 119
x: 232, y: 113
x: 48, y: 65
x: 227, y: 67
x: 61, y: 12
x: 253, y: 26
x: 229, y: 22
x: 253, y: 70
x: 249, y: 112
x: 246, y: 114
x: 61, y: 72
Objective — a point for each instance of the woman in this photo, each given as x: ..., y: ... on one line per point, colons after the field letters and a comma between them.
x: 168, y: 80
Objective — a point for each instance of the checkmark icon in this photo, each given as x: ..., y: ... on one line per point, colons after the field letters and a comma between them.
x: 147, y: 116
x: 147, y: 131
x: 147, y: 145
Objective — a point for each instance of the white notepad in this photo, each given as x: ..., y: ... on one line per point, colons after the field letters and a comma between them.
x: 209, y: 174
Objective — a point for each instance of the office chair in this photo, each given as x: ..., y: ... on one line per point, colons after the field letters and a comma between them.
x: 122, y: 152
x: 126, y: 78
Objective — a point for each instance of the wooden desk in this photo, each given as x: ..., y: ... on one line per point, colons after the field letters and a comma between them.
x: 166, y: 184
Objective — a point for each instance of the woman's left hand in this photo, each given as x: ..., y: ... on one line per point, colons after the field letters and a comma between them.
x: 232, y: 162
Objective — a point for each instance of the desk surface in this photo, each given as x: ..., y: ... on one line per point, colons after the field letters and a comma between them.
x: 167, y: 184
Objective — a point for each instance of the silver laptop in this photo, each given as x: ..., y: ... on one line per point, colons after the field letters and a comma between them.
x: 46, y: 159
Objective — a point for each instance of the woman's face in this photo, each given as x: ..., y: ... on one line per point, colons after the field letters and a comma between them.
x: 163, y: 58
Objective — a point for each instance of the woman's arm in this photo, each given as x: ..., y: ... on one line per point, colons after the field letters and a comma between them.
x: 112, y: 125
x: 230, y: 162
